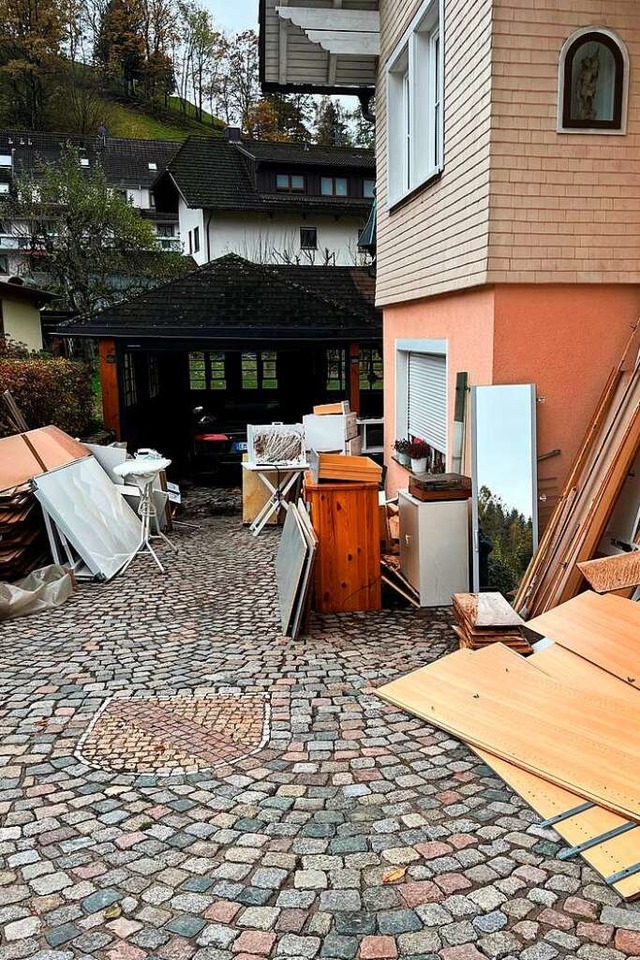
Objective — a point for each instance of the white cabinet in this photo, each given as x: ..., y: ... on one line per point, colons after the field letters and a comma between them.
x: 434, y: 547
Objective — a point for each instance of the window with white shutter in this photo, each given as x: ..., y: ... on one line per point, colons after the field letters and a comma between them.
x: 427, y: 399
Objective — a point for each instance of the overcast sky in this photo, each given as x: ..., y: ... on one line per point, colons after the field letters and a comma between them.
x: 235, y: 15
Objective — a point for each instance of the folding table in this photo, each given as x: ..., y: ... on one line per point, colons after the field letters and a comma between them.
x: 287, y: 476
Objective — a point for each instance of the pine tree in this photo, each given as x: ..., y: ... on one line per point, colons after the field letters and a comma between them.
x: 331, y: 124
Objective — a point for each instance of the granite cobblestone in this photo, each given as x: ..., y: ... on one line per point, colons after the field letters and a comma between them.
x: 353, y: 832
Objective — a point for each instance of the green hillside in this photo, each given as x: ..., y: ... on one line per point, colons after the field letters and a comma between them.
x: 135, y: 119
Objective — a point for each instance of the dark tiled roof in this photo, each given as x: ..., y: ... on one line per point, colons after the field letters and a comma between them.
x: 309, y: 154
x: 211, y: 173
x: 218, y: 175
x: 125, y: 162
x: 235, y: 299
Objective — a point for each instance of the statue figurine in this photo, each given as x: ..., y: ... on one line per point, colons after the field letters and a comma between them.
x: 587, y: 87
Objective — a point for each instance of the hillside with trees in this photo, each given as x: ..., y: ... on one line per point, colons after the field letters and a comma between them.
x: 150, y: 68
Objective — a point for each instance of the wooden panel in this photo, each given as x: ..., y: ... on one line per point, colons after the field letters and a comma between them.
x: 566, y: 667
x: 549, y: 800
x: 496, y: 701
x: 603, y: 629
x: 26, y: 455
x: 345, y: 518
x: 612, y: 573
x: 255, y: 495
x: 109, y: 384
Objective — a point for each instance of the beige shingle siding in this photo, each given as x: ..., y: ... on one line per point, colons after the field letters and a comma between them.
x: 564, y: 207
x: 438, y: 240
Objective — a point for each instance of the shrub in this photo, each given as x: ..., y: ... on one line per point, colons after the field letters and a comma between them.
x: 47, y: 390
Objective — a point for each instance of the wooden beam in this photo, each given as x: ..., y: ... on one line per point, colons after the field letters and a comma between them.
x: 109, y: 384
x: 346, y: 42
x: 336, y: 20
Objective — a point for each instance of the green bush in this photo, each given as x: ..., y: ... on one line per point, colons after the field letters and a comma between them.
x: 47, y: 390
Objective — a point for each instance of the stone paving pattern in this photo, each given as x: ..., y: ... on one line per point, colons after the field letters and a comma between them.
x: 285, y: 853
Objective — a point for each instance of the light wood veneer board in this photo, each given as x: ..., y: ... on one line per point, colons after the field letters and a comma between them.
x: 612, y: 573
x: 548, y: 800
x: 495, y: 701
x: 567, y: 667
x: 603, y: 629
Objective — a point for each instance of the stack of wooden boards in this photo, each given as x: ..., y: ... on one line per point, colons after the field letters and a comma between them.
x: 603, y: 465
x: 619, y: 572
x: 295, y: 562
x: 485, y: 618
x: 561, y: 727
x: 338, y: 466
x: 23, y: 542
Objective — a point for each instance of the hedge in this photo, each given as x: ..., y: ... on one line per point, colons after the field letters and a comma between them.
x: 47, y: 390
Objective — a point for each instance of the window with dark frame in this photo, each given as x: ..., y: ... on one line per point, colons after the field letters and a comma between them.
x: 371, y: 369
x: 592, y: 77
x: 129, y: 381
x: 309, y: 238
x: 368, y: 189
x: 334, y: 186
x: 190, y: 242
x: 4, y: 264
x: 258, y: 370
x: 336, y: 370
x: 290, y: 183
x: 196, y: 239
x: 207, y: 371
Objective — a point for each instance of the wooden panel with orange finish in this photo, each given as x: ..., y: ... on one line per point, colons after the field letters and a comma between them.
x: 345, y: 519
x: 109, y: 384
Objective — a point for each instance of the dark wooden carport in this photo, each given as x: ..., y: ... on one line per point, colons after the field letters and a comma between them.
x: 243, y: 340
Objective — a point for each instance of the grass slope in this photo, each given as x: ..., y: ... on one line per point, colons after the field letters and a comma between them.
x: 133, y: 119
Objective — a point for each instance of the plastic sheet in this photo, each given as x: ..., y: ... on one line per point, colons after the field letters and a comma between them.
x: 45, y: 588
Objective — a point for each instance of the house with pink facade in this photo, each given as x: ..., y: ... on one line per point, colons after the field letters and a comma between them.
x: 508, y: 197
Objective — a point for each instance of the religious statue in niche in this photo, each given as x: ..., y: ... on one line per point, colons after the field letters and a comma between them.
x: 587, y: 87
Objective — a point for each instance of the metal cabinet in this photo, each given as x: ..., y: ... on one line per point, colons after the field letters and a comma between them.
x: 434, y: 547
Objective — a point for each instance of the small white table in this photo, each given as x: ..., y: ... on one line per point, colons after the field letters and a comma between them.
x: 286, y: 478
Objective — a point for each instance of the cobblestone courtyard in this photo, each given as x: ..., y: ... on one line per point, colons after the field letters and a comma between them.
x: 180, y: 783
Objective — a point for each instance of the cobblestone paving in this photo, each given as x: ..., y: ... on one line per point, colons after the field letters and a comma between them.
x: 283, y: 853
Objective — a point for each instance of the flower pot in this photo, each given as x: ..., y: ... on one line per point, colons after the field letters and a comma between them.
x: 419, y: 466
x: 402, y: 458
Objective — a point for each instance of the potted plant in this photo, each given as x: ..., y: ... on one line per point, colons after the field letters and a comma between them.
x: 401, y: 448
x: 419, y: 452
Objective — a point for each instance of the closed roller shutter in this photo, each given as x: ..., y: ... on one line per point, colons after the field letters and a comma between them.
x: 428, y: 399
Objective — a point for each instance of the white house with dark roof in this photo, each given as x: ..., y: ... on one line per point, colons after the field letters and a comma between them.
x: 130, y: 167
x: 269, y: 202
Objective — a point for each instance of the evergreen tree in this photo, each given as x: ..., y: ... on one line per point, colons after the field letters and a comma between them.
x: 331, y: 124
x: 120, y: 46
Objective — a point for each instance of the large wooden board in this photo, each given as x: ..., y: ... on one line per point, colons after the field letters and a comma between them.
x: 567, y: 667
x: 549, y: 800
x: 603, y: 629
x: 495, y: 701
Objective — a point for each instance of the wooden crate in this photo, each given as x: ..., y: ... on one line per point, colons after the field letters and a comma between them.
x: 345, y: 519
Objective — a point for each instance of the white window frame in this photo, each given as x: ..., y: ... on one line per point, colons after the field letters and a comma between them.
x: 415, y: 94
x: 403, y: 349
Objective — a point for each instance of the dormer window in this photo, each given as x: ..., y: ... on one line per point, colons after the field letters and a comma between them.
x: 290, y: 183
x: 334, y: 186
x: 84, y: 161
x: 153, y: 166
x: 593, y: 83
x: 5, y: 159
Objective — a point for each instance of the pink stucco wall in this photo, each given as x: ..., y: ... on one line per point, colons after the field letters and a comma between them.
x: 465, y: 320
x: 564, y: 338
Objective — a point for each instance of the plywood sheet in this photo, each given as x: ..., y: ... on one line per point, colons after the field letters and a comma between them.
x: 484, y: 610
x: 567, y: 667
x: 603, y: 629
x: 494, y: 700
x: 548, y: 800
x: 27, y: 455
x: 612, y: 573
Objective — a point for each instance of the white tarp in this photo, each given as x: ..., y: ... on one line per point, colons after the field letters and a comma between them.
x: 48, y: 587
x: 94, y: 517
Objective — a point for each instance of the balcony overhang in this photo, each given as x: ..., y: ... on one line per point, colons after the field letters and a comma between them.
x: 331, y: 46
